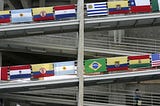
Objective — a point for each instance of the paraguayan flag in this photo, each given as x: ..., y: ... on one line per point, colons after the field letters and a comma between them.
x: 97, y: 9
x: 21, y: 15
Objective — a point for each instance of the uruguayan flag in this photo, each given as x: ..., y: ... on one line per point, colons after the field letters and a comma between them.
x: 21, y: 15
x: 97, y: 9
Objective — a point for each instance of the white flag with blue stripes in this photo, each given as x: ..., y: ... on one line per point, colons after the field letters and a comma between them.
x: 21, y: 15
x: 97, y: 9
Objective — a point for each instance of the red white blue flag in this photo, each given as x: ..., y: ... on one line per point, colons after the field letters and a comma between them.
x: 155, y: 60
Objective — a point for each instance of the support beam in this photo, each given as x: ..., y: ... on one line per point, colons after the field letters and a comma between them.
x: 42, y: 3
x: 81, y: 52
x: 26, y: 3
x: 11, y: 6
x: 1, y: 4
x: 16, y: 4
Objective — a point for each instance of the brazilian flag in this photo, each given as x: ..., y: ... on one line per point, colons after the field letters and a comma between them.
x: 95, y: 65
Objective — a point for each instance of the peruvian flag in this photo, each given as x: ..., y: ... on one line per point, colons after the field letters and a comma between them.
x: 140, y: 6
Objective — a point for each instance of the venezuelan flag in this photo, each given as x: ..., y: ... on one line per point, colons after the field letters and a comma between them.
x: 41, y: 14
x: 118, y: 7
x: 139, y: 61
x: 117, y: 63
x: 42, y: 70
x: 5, y: 16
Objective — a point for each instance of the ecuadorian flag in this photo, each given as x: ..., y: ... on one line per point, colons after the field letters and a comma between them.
x: 117, y: 63
x: 45, y: 13
x: 5, y: 16
x: 139, y: 61
x: 118, y: 7
x: 42, y: 70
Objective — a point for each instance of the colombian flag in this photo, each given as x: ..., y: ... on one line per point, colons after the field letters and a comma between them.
x: 139, y: 61
x: 118, y: 7
x: 42, y: 70
x: 117, y: 63
x: 5, y: 16
x: 45, y: 13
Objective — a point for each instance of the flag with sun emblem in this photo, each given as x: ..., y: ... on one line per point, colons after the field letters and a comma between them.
x: 139, y: 61
x: 117, y: 63
x: 45, y: 13
x: 21, y: 15
x: 95, y: 65
x: 42, y: 70
x: 64, y: 68
x: 19, y: 72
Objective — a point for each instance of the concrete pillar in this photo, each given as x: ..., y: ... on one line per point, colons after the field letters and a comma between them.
x: 1, y: 4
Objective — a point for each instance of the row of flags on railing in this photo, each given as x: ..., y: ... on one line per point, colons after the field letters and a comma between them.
x: 111, y: 64
x: 69, y: 11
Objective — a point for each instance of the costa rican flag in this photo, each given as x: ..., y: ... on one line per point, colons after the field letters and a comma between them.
x: 66, y: 11
x: 155, y: 60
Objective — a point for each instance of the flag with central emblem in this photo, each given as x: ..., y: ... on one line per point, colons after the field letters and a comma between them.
x: 140, y: 6
x: 45, y: 13
x: 66, y: 11
x: 97, y: 9
x: 139, y: 61
x: 118, y: 7
x: 155, y: 60
x: 42, y: 70
x: 21, y: 15
x: 19, y: 72
x: 95, y: 65
x: 5, y: 16
x: 4, y: 73
x: 64, y: 68
x: 117, y: 63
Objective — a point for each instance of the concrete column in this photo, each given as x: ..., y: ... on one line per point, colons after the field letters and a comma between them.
x: 1, y: 4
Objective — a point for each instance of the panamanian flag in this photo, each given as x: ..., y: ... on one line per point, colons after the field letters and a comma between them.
x: 5, y: 16
x: 19, y: 72
x: 21, y: 15
x: 155, y: 60
x: 97, y: 9
x: 140, y: 6
x: 66, y: 11
x: 64, y: 68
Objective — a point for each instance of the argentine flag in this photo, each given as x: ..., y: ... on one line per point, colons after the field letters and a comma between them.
x: 97, y: 9
x: 21, y: 15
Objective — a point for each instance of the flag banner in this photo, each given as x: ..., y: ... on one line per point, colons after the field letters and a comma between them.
x: 118, y: 7
x: 19, y: 72
x: 66, y: 11
x: 155, y: 5
x: 140, y: 6
x: 64, y: 68
x: 42, y: 70
x: 45, y: 13
x: 139, y: 61
x: 97, y: 9
x: 117, y: 63
x: 95, y: 65
x: 21, y: 15
x: 155, y: 60
x: 5, y: 16
x: 4, y: 73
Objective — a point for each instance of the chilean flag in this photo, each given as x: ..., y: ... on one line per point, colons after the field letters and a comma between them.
x: 140, y: 6
x: 66, y: 11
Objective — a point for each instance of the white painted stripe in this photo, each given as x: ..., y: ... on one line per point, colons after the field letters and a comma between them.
x: 69, y: 11
x: 67, y: 68
x: 16, y: 72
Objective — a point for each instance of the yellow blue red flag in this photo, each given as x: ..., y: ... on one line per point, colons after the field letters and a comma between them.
x: 5, y: 16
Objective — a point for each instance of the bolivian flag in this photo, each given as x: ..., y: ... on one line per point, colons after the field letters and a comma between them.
x: 5, y: 16
x: 41, y: 14
x: 95, y: 65
x: 117, y: 63
x: 118, y: 7
x: 42, y: 70
x: 139, y: 61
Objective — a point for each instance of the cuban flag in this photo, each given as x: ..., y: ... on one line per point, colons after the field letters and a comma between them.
x: 5, y: 16
x: 66, y: 11
x: 4, y: 73
x: 155, y: 60
x: 21, y: 15
x: 97, y: 9
x: 20, y: 72
x: 64, y: 68
x: 140, y: 6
